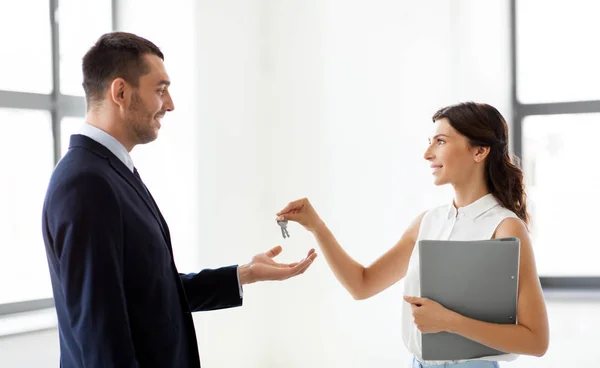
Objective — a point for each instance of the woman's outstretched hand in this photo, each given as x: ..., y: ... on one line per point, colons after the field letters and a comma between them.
x: 302, y: 212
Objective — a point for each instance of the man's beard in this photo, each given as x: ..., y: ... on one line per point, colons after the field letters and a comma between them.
x: 140, y: 121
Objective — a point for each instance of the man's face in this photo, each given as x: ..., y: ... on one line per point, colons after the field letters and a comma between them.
x: 149, y: 102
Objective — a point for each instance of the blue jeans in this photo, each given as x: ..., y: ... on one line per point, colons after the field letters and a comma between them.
x: 471, y: 364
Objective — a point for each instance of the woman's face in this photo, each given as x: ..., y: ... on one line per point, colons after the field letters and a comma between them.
x: 453, y: 160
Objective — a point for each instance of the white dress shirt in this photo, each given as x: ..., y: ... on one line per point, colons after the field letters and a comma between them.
x: 114, y: 146
x: 476, y: 221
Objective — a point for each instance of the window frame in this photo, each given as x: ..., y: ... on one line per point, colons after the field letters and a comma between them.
x: 59, y: 105
x: 522, y: 110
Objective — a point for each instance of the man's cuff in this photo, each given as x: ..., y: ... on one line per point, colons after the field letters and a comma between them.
x: 237, y: 273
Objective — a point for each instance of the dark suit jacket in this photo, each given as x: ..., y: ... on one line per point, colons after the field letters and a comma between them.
x: 119, y: 298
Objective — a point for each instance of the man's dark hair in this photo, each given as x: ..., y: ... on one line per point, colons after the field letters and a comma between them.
x: 115, y: 55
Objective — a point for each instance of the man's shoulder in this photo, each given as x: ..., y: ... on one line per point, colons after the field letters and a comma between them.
x: 79, y: 170
x: 79, y: 162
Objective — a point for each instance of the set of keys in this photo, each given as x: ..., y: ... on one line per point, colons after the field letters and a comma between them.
x: 283, y: 226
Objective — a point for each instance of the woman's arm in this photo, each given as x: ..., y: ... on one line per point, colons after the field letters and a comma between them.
x: 530, y: 336
x: 362, y: 282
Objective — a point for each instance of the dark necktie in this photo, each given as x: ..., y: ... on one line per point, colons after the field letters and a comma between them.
x: 139, y: 178
x: 153, y: 207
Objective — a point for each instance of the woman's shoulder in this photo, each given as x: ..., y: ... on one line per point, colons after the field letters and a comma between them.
x: 495, y: 211
x: 503, y: 212
x: 443, y: 209
x: 509, y: 224
x: 425, y: 220
x: 434, y: 215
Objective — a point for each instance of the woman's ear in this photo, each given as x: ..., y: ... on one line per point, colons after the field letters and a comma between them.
x: 480, y: 153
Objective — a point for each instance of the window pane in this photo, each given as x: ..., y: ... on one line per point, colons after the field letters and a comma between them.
x: 68, y: 127
x: 23, y: 268
x: 557, y: 50
x: 562, y: 185
x: 26, y: 63
x: 82, y: 22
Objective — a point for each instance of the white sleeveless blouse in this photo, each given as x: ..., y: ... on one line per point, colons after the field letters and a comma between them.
x: 476, y: 221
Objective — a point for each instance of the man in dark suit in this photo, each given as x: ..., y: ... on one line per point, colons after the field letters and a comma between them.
x: 119, y: 298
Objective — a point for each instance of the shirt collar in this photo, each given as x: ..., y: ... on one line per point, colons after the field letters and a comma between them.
x: 476, y: 208
x: 108, y: 141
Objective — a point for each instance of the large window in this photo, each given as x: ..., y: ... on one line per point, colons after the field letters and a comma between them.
x: 26, y: 146
x: 81, y: 23
x: 556, y: 117
x: 557, y: 57
x: 26, y: 63
x: 41, y: 104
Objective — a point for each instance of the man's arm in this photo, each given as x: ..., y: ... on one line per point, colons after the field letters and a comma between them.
x: 212, y: 289
x: 221, y: 288
x: 85, y: 221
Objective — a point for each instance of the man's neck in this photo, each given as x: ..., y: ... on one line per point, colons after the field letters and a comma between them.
x: 108, y: 125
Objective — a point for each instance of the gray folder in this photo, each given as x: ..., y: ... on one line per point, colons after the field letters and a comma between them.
x: 478, y: 279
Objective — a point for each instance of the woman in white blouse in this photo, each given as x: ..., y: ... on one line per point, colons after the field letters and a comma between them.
x: 468, y: 150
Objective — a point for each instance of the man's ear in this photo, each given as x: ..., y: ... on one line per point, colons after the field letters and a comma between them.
x: 480, y: 153
x: 119, y: 92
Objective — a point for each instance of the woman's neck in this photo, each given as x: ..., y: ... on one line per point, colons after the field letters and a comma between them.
x: 466, y: 194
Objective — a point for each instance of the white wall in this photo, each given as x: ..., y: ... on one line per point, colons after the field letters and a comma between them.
x: 331, y: 100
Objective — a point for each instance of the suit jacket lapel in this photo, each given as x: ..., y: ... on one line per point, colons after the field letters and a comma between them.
x: 139, y: 188
x: 125, y: 173
x: 162, y: 221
